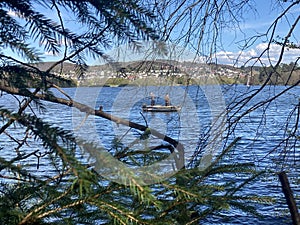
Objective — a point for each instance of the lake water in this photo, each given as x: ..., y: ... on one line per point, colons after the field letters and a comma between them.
x: 262, y: 130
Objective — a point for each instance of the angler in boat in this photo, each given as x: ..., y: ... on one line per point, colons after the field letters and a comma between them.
x: 160, y: 108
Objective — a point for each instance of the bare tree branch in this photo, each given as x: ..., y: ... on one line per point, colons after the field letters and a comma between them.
x: 90, y: 111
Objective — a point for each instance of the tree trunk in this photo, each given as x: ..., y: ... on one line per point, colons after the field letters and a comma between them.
x: 289, y: 197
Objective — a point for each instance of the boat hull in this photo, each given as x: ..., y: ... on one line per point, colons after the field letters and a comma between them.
x: 161, y: 108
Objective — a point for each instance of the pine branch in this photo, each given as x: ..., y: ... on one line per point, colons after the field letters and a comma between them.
x: 31, y: 216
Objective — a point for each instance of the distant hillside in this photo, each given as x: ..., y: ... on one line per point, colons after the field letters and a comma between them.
x: 65, y: 67
x: 126, y: 72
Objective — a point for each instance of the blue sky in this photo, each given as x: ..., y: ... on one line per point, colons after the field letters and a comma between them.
x: 253, y: 24
x: 257, y: 24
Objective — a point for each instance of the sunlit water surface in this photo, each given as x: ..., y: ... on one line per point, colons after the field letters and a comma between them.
x: 260, y: 131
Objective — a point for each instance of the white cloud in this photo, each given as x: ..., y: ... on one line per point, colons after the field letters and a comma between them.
x: 267, y: 53
x: 272, y: 48
x: 50, y: 53
x: 261, y: 46
x: 12, y: 13
x: 256, y: 25
x: 252, y: 53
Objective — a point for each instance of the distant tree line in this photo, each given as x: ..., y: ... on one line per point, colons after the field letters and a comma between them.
x: 284, y: 74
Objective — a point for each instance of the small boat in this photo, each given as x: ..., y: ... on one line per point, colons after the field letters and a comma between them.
x: 160, y: 108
